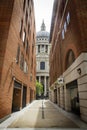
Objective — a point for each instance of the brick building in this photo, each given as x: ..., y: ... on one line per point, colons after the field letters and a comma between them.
x: 17, y: 55
x: 68, y: 57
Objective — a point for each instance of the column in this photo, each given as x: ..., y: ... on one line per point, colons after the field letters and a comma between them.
x: 39, y: 79
x: 40, y: 48
x: 44, y: 48
x: 44, y: 85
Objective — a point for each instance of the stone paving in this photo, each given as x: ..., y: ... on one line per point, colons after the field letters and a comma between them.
x: 42, y: 117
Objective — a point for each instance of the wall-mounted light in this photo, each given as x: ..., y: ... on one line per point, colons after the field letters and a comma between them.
x: 13, y: 77
x: 60, y: 80
x: 79, y: 70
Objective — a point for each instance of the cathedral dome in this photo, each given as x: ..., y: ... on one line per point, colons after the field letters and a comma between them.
x: 43, y: 32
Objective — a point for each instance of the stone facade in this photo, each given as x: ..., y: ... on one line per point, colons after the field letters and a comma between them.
x: 17, y: 55
x: 68, y: 57
x: 42, y: 58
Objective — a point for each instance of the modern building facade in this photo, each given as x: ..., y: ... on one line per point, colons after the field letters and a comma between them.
x: 17, y: 55
x: 42, y: 58
x: 68, y: 57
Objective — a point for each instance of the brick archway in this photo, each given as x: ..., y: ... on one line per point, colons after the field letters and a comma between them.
x: 72, y: 48
x: 70, y: 58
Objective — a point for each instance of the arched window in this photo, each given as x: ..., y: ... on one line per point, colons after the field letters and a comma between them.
x: 42, y: 65
x: 70, y: 58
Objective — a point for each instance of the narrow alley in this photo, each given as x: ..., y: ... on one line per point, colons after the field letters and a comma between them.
x: 43, y: 64
x: 42, y: 114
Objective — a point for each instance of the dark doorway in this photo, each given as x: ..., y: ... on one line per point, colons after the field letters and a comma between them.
x: 63, y: 98
x: 55, y: 96
x: 74, y: 97
x: 59, y: 96
x: 24, y: 96
x: 31, y: 95
x: 16, y: 102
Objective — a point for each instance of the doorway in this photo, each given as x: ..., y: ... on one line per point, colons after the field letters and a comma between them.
x: 63, y: 98
x: 16, y: 102
x: 24, y: 96
x: 31, y: 95
x: 55, y: 95
x: 74, y: 97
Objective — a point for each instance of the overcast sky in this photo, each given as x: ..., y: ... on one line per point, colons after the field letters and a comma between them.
x: 43, y: 10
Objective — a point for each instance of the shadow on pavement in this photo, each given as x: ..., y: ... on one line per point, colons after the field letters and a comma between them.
x: 42, y: 114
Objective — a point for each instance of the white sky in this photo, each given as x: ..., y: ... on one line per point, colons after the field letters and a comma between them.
x: 43, y: 10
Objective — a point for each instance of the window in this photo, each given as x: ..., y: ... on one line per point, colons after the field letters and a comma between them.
x: 30, y: 11
x: 68, y: 18
x: 17, y: 85
x: 63, y: 34
x: 65, y: 27
x: 27, y: 47
x: 70, y: 58
x: 42, y: 48
x: 22, y: 61
x: 24, y: 5
x: 26, y: 16
x: 21, y: 28
x: 28, y: 28
x: 28, y: 2
x: 38, y: 48
x: 32, y: 63
x: 18, y: 54
x: 46, y: 49
x: 32, y: 49
x: 42, y: 65
x: 25, y: 67
x: 23, y: 38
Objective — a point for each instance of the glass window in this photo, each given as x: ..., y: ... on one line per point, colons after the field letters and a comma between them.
x: 28, y: 28
x: 27, y: 47
x: 18, y: 54
x: 70, y: 58
x: 26, y: 16
x: 24, y: 5
x: 42, y: 65
x: 46, y: 49
x: 38, y: 48
x: 25, y: 67
x: 22, y: 61
x: 42, y: 48
x: 23, y: 38
x: 68, y: 18
x: 63, y: 34
x: 28, y: 2
x: 65, y: 27
x: 21, y: 25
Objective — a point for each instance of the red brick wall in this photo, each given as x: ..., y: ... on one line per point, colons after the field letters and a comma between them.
x: 10, y: 38
x: 5, y: 8
x: 75, y: 36
x: 5, y: 17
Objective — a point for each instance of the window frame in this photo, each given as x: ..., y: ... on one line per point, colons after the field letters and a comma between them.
x: 42, y: 65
